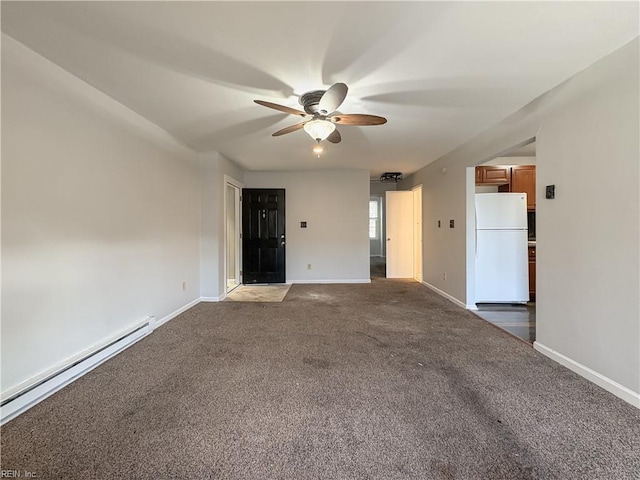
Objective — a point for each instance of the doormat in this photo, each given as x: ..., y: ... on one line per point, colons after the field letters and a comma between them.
x: 259, y: 293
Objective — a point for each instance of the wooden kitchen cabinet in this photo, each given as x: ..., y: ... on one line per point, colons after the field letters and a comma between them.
x: 515, y: 179
x: 523, y: 180
x: 532, y: 273
x: 493, y: 175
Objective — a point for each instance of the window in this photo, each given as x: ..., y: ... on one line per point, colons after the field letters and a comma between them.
x: 374, y: 218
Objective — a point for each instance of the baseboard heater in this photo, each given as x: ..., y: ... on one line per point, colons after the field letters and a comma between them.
x: 26, y: 398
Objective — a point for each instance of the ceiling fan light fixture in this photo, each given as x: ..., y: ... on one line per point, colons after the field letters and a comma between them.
x: 390, y: 177
x: 319, y: 129
x: 317, y: 149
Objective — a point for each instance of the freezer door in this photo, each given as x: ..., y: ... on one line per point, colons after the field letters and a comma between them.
x: 502, y: 267
x: 496, y: 211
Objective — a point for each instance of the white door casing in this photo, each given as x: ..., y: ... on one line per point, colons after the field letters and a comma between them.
x: 417, y: 233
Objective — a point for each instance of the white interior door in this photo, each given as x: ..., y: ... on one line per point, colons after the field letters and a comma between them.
x: 399, y: 226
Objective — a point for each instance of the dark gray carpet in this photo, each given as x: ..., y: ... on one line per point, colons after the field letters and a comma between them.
x: 381, y: 381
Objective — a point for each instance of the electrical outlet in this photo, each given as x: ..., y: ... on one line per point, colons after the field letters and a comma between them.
x: 184, y: 286
x: 308, y: 266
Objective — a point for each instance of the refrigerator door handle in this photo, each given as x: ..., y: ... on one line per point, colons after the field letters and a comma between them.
x: 475, y: 213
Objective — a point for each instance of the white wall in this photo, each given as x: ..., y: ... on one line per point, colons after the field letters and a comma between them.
x: 589, y: 243
x: 335, y: 206
x: 378, y: 188
x: 214, y: 167
x: 100, y: 218
x: 588, y: 304
x: 443, y: 199
x: 530, y: 160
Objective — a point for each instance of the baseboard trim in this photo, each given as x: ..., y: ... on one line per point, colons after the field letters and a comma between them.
x: 446, y: 295
x: 337, y: 280
x: 212, y: 299
x: 174, y: 314
x: 33, y: 392
x: 609, y: 385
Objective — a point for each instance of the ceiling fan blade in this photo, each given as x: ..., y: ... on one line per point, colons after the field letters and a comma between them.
x: 358, y: 119
x: 335, y: 137
x: 332, y: 98
x: 289, y: 129
x: 281, y: 108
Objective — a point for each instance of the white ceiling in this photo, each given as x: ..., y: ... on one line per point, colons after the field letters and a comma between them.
x: 440, y: 72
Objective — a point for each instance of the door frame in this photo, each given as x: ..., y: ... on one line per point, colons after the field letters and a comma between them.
x: 237, y: 186
x: 417, y: 233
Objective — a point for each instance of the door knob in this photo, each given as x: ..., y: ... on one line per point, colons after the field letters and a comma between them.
x: 388, y: 239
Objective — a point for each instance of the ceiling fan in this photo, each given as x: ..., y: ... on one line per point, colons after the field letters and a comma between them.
x: 320, y: 107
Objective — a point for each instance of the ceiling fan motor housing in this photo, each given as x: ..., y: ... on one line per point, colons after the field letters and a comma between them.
x: 322, y: 106
x: 311, y: 100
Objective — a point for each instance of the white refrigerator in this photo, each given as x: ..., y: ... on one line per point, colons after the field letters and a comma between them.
x: 502, y: 265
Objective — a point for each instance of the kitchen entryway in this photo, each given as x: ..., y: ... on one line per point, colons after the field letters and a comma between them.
x: 504, y: 274
x: 517, y: 319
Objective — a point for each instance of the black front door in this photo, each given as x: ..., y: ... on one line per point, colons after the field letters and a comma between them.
x: 263, y: 235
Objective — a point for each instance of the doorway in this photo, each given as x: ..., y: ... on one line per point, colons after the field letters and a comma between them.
x: 513, y: 171
x: 404, y: 233
x: 376, y: 226
x: 232, y: 234
x: 263, y: 235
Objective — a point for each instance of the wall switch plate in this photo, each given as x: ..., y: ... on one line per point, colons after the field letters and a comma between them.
x: 451, y: 224
x: 550, y: 192
x: 303, y: 224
